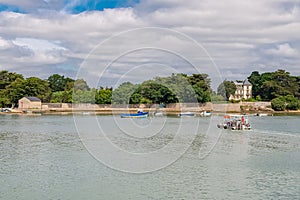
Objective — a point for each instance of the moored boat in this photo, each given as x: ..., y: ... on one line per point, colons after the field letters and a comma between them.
x: 158, y: 114
x: 261, y: 114
x: 205, y: 114
x: 139, y: 114
x: 186, y: 114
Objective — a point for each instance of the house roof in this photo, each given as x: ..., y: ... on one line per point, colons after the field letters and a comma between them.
x: 33, y: 98
x: 246, y: 82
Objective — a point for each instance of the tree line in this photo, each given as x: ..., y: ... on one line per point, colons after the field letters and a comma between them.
x: 60, y: 89
x: 55, y: 89
x: 279, y: 87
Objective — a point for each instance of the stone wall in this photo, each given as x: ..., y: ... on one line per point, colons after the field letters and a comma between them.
x: 215, y: 107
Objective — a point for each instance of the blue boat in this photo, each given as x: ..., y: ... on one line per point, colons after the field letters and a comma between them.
x: 139, y: 114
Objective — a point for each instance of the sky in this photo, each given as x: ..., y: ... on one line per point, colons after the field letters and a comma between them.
x: 108, y: 42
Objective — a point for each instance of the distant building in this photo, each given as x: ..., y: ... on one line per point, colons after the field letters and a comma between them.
x: 30, y: 103
x: 243, y: 90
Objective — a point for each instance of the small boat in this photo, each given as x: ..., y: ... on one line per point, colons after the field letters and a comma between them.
x: 235, y: 122
x: 139, y: 114
x: 85, y: 113
x: 205, y: 114
x: 158, y: 114
x: 261, y: 114
x: 186, y: 114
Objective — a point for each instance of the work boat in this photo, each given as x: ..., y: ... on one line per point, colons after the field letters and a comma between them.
x: 235, y: 122
x: 139, y: 114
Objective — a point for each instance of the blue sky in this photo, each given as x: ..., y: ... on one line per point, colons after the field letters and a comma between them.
x: 226, y: 39
x: 100, y: 5
x: 12, y: 8
x: 70, y: 6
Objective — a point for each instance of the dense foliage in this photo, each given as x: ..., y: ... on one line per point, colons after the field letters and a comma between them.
x: 163, y: 90
x: 226, y: 88
x: 279, y: 87
x: 288, y: 102
x: 270, y: 85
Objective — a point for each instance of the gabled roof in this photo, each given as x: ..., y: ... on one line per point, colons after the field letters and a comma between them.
x: 33, y: 98
x: 246, y: 82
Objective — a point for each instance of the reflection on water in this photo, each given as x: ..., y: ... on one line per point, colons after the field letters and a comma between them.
x: 43, y: 158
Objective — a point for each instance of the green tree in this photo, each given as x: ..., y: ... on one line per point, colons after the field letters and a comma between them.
x: 200, y: 80
x: 292, y: 102
x: 226, y: 88
x: 152, y: 92
x: 255, y: 80
x: 81, y: 84
x: 298, y: 82
x: 4, y: 100
x: 270, y: 85
x: 84, y: 96
x: 69, y: 84
x: 136, y: 98
x: 103, y: 96
x: 58, y: 82
x: 278, y: 104
x: 16, y: 90
x: 201, y: 86
x: 34, y: 86
x: 122, y: 94
x: 62, y: 96
x: 7, y: 78
x: 179, y: 86
x: 288, y: 102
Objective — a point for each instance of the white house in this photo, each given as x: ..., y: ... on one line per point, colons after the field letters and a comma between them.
x: 243, y: 90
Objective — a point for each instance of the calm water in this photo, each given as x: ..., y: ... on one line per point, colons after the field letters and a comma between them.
x: 43, y: 157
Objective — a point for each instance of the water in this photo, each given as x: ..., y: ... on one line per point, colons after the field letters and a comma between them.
x: 43, y: 157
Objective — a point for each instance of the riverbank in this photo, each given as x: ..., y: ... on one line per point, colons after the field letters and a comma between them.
x: 169, y: 109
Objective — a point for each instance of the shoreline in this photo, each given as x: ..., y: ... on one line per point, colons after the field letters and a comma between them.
x: 250, y: 108
x: 118, y: 111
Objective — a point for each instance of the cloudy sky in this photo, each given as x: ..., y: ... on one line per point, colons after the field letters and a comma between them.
x: 110, y: 41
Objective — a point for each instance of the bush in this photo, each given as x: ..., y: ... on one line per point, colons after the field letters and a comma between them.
x: 278, y: 104
x: 250, y: 100
x: 258, y: 98
x: 288, y: 102
x: 293, y: 105
x: 292, y: 102
x: 235, y: 101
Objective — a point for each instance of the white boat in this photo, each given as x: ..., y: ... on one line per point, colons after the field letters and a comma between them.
x: 205, y: 114
x: 235, y: 122
x: 186, y: 114
x: 86, y: 113
x: 158, y: 114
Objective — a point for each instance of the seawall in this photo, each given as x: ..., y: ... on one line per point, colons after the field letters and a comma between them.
x: 246, y: 107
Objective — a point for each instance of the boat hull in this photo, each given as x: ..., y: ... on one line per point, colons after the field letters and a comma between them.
x: 135, y: 115
x: 205, y: 114
x: 186, y: 114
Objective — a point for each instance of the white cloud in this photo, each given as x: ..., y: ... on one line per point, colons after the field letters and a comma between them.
x: 237, y: 34
x: 37, y: 45
x: 284, y: 50
x: 4, y: 44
